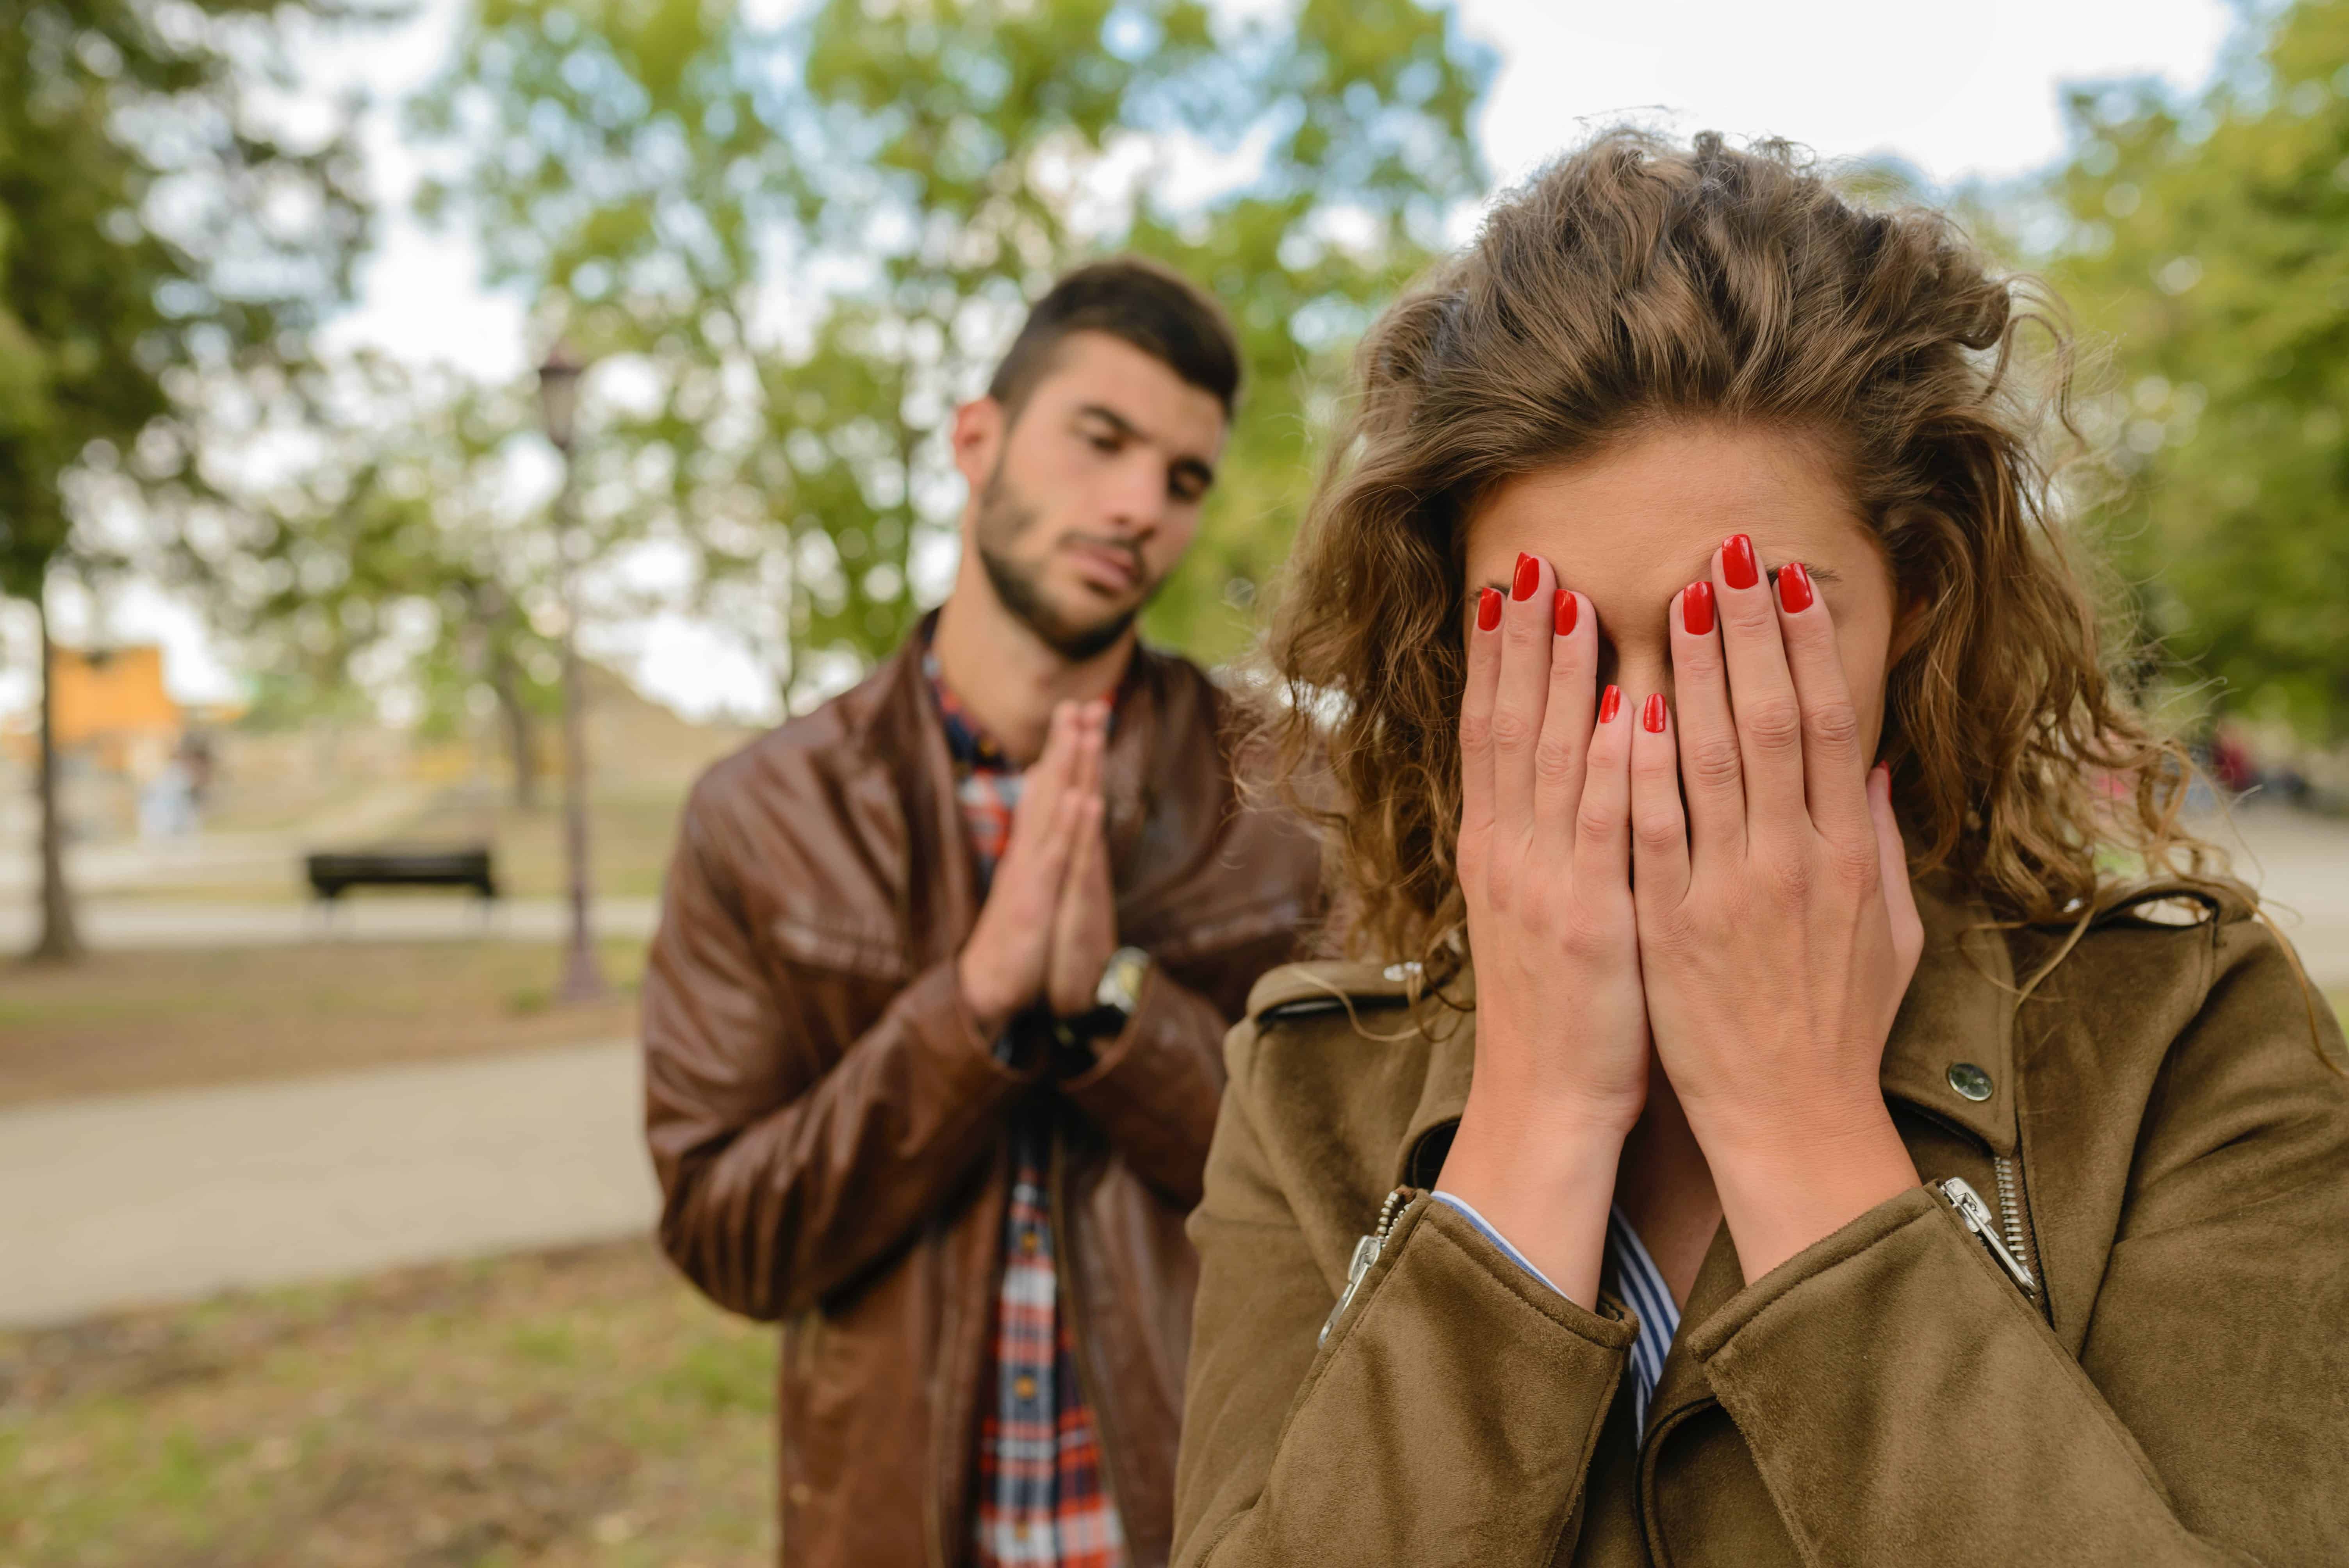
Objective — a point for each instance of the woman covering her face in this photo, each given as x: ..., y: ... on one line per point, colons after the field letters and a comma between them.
x: 1802, y: 1097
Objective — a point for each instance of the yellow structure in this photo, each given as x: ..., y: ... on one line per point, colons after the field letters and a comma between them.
x: 111, y: 704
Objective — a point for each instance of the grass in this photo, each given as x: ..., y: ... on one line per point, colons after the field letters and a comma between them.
x: 568, y: 1409
x: 118, y: 1022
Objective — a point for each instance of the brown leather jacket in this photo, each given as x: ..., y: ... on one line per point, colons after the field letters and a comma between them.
x: 826, y: 1118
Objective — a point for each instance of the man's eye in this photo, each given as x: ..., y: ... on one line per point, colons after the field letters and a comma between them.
x: 1103, y: 443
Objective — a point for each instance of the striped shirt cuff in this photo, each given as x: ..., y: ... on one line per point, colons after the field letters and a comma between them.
x: 1468, y: 1212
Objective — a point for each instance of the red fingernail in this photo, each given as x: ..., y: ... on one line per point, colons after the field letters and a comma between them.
x: 1651, y: 716
x: 1529, y: 578
x: 1610, y: 702
x: 1696, y: 609
x: 1737, y: 567
x: 1562, y: 612
x: 1488, y: 609
x: 1794, y: 588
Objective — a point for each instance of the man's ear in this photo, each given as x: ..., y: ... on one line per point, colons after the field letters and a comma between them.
x: 979, y: 428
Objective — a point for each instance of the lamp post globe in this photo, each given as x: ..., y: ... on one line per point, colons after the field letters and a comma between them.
x: 558, y: 392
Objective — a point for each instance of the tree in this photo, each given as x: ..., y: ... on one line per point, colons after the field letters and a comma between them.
x: 2210, y: 237
x: 159, y: 237
x: 804, y: 243
x: 406, y: 551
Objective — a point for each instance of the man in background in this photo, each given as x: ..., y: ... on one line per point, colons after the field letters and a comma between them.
x: 933, y: 1024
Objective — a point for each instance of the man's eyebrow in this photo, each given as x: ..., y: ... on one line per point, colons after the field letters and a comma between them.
x: 1111, y: 417
x: 1195, y: 468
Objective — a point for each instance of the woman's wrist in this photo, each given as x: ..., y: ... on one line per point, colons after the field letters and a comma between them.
x: 1783, y: 1189
x: 1545, y: 1183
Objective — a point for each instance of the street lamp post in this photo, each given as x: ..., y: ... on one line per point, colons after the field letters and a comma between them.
x: 558, y: 395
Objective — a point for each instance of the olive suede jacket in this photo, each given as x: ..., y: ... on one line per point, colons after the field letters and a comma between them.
x: 2174, y: 1149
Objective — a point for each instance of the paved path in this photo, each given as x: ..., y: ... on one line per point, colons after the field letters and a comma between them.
x: 159, y: 1197
x: 163, y: 923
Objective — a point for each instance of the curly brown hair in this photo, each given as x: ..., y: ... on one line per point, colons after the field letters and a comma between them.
x: 1634, y: 282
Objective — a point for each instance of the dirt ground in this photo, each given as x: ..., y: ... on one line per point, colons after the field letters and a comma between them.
x: 119, y: 1022
x: 554, y: 1412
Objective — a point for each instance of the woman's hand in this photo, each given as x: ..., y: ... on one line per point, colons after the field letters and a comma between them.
x: 1543, y: 859
x: 1777, y: 931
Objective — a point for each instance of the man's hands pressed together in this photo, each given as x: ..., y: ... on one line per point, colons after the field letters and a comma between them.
x: 1050, y: 922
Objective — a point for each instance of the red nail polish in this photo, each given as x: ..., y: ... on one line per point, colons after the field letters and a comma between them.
x: 1488, y: 609
x: 1794, y: 588
x: 1737, y: 567
x: 1696, y: 609
x: 1563, y: 612
x: 1528, y: 579
x: 1610, y: 702
x: 1651, y: 716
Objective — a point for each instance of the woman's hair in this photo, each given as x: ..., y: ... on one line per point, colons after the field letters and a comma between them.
x: 1634, y: 284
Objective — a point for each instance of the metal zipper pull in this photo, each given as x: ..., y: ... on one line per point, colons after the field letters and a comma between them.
x: 1975, y: 1216
x: 1366, y: 1253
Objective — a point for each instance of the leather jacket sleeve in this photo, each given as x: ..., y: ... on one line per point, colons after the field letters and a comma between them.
x: 1154, y: 1089
x: 783, y: 1179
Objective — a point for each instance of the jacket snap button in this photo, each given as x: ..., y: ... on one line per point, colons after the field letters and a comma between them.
x: 802, y: 1493
x: 1969, y: 1080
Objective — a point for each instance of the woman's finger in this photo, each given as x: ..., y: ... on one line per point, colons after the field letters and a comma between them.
x: 1660, y: 846
x: 1834, y: 771
x: 1558, y: 758
x: 1762, y: 699
x: 1476, y: 714
x: 1892, y: 858
x: 1520, y: 698
x: 1712, y: 772
x: 1602, y: 817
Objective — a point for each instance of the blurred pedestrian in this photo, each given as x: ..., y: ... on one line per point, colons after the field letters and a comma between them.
x: 933, y: 1024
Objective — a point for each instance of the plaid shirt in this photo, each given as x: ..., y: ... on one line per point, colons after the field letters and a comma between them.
x: 1040, y: 1499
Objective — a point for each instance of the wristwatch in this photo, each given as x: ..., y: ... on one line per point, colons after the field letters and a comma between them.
x: 1115, y: 997
x: 1121, y: 983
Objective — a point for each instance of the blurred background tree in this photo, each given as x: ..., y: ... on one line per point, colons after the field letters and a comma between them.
x: 408, y: 545
x: 2210, y: 237
x: 164, y: 246
x: 797, y: 245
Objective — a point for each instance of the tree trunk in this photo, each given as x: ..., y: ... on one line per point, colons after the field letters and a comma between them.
x: 61, y: 939
x: 516, y: 720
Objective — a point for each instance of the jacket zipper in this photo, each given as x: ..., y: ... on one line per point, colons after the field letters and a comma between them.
x: 1366, y: 1253
x: 2010, y: 1210
x: 1974, y: 1214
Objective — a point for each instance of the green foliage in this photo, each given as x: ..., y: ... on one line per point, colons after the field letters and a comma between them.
x: 402, y: 548
x: 156, y: 235
x: 2211, y: 238
x: 800, y: 245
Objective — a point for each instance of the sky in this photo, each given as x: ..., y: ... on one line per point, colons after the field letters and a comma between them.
x: 1958, y: 92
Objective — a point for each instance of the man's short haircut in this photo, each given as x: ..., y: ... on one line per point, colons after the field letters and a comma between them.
x: 1151, y: 306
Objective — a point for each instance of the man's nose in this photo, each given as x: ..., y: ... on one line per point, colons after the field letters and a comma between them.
x: 1138, y: 494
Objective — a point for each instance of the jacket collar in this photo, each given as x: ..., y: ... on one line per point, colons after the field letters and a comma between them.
x: 1959, y: 1011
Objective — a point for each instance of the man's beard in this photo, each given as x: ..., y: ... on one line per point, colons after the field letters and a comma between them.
x: 1003, y: 517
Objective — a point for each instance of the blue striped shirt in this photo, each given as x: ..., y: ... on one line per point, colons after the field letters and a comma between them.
x: 1631, y: 1275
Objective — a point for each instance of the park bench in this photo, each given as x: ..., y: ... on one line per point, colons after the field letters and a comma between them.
x: 333, y: 872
